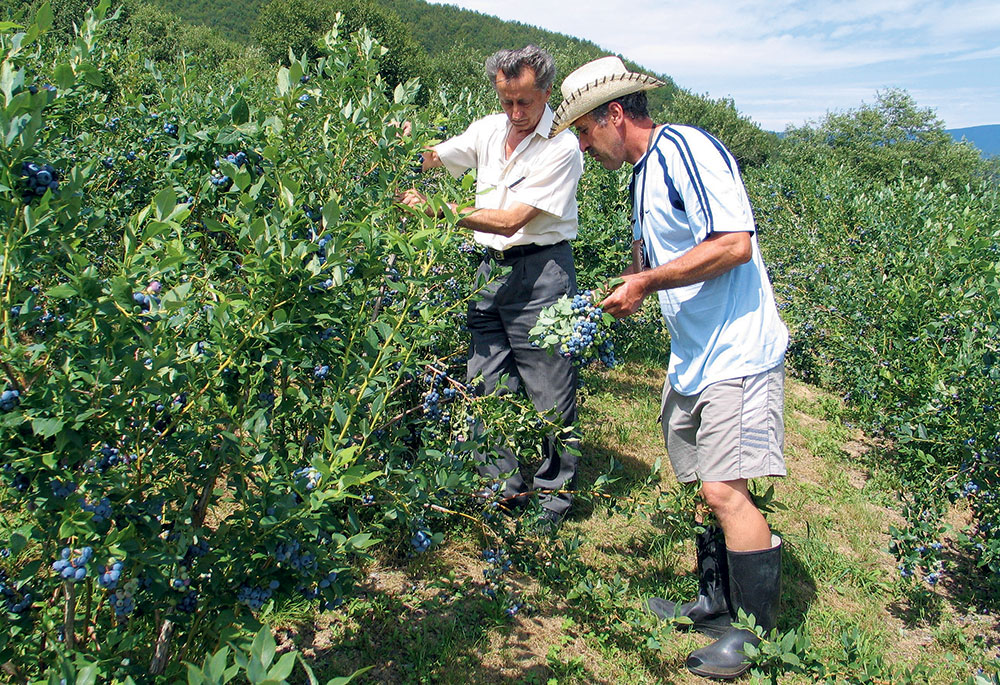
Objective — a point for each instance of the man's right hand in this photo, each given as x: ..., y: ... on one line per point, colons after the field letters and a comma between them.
x: 626, y: 298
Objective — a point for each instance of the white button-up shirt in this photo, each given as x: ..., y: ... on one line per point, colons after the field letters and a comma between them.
x: 542, y: 173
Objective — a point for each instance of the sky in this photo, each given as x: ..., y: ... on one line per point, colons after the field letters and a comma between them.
x: 789, y: 62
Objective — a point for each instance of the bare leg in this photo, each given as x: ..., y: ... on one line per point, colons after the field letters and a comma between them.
x: 741, y: 521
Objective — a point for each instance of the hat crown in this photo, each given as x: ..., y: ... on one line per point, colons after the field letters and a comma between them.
x: 591, y: 72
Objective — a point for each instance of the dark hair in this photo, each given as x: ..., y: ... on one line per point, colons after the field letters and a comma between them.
x: 634, y: 105
x: 511, y: 62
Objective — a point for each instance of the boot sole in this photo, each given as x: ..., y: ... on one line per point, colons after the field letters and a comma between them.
x: 719, y: 676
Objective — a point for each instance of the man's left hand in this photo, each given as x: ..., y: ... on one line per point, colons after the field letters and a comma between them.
x: 414, y: 198
x: 627, y: 298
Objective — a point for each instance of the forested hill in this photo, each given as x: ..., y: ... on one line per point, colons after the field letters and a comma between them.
x: 441, y: 31
x: 986, y: 138
x: 231, y: 18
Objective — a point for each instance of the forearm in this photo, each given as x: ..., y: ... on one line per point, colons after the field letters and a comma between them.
x: 707, y: 260
x: 497, y: 221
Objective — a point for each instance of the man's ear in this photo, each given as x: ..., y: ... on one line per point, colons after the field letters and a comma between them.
x: 616, y: 113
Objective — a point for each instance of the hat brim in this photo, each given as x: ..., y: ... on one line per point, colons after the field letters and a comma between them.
x: 596, y: 93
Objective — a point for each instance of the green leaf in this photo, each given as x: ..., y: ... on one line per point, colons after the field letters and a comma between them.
x: 47, y: 427
x: 792, y: 659
x: 88, y: 674
x: 43, y: 17
x: 7, y: 81
x: 283, y: 668
x: 339, y: 412
x: 61, y: 292
x: 284, y: 81
x: 344, y: 680
x: 217, y: 663
x: 164, y: 203
x: 195, y: 676
x: 239, y: 113
x: 264, y: 645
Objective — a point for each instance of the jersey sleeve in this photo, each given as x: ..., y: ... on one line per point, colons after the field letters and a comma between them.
x: 709, y: 181
x: 551, y: 185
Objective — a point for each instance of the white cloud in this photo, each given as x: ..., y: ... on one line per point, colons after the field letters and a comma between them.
x: 792, y: 60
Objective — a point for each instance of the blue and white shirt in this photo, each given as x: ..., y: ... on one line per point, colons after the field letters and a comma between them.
x: 685, y: 188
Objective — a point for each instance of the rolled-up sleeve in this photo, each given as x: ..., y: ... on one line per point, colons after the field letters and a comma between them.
x: 551, y: 185
x: 459, y: 154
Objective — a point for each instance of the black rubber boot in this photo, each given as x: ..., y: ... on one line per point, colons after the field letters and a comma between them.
x: 755, y: 587
x: 710, y: 609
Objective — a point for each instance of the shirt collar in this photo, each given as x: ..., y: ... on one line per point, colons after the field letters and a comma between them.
x: 545, y: 123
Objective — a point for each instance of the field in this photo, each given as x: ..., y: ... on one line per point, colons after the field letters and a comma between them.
x: 236, y: 441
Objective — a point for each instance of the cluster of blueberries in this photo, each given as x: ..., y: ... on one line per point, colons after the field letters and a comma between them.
x: 291, y: 554
x: 9, y: 399
x: 586, y: 340
x: 101, y: 509
x: 15, y: 602
x: 324, y: 583
x: 499, y: 564
x: 196, y: 549
x: 310, y: 475
x: 170, y: 128
x: 421, y: 541
x: 322, y: 241
x: 189, y: 602
x: 39, y: 178
x: 107, y: 457
x: 62, y: 489
x: 237, y: 158
x: 254, y: 597
x: 182, y: 583
x: 220, y: 180
x: 73, y: 568
x: 321, y: 371
x: 111, y: 575
x: 123, y: 600
x: 433, y: 397
x: 148, y: 297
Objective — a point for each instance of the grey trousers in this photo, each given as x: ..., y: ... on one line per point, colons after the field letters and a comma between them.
x: 499, y: 323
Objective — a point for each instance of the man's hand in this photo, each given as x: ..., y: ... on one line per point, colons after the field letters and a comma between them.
x: 626, y: 298
x: 414, y: 198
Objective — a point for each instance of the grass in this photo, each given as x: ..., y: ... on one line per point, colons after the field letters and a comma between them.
x: 426, y: 620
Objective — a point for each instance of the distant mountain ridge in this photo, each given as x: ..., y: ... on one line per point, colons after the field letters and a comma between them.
x: 986, y: 138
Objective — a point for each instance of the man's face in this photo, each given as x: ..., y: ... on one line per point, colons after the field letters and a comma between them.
x: 521, y: 101
x: 603, y: 142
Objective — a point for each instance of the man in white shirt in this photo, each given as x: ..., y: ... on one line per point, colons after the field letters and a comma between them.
x: 525, y: 214
x: 722, y: 402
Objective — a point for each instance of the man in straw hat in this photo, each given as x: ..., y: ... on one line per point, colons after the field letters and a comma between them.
x: 696, y: 247
x: 525, y: 214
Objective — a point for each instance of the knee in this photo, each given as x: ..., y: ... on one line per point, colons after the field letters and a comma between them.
x: 726, y: 499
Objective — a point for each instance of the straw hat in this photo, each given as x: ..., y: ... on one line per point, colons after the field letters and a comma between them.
x: 592, y: 85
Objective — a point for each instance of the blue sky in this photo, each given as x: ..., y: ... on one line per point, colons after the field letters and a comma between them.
x: 788, y: 62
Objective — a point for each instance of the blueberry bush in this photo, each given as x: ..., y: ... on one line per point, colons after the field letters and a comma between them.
x: 230, y: 362
x: 891, y: 292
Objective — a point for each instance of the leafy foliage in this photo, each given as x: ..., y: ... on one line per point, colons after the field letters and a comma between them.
x: 218, y: 330
x: 750, y: 145
x: 890, y: 139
